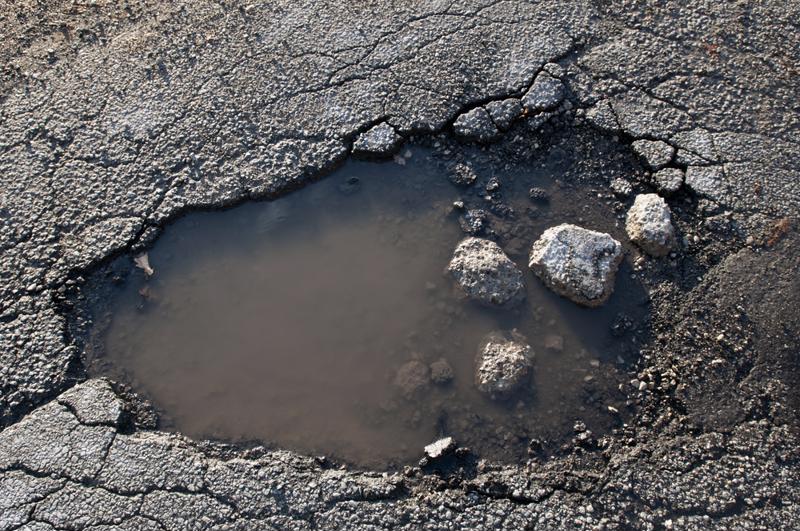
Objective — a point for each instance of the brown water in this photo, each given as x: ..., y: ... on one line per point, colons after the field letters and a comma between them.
x: 287, y: 322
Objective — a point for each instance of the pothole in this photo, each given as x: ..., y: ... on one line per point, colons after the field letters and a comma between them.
x: 325, y: 322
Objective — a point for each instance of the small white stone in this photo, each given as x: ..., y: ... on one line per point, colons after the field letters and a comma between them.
x: 440, y: 447
x: 649, y: 224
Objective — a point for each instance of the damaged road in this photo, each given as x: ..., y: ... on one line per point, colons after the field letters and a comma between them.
x: 115, y: 120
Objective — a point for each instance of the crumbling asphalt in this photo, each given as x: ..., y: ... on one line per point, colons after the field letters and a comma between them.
x: 116, y: 118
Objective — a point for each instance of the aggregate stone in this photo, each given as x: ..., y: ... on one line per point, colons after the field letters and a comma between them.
x: 440, y: 447
x: 503, y: 364
x: 441, y: 372
x: 621, y: 187
x: 412, y: 378
x: 380, y: 141
x: 462, y: 174
x: 649, y: 224
x: 485, y: 273
x: 577, y: 263
x: 655, y: 153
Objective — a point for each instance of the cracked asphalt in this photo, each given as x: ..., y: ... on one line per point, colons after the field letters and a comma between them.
x: 117, y: 117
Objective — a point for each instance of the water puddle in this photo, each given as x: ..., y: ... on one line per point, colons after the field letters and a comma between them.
x: 323, y: 321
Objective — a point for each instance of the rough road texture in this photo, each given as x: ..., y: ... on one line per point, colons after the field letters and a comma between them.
x: 116, y: 118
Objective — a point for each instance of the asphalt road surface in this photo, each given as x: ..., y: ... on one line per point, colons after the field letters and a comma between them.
x: 117, y: 117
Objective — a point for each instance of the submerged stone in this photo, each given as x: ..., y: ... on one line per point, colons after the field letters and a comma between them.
x: 412, y: 378
x: 441, y: 372
x: 462, y: 174
x: 503, y: 365
x: 473, y: 221
x: 577, y: 263
x: 485, y: 273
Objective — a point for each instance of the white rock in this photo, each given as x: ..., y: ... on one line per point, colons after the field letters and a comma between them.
x: 439, y: 448
x: 577, y: 263
x: 485, y: 273
x: 649, y: 224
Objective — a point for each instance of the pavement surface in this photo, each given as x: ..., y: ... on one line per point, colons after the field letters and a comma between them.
x: 115, y: 117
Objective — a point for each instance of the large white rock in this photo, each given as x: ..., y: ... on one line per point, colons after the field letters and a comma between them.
x: 577, y: 263
x: 649, y: 224
x: 503, y: 364
x: 485, y: 273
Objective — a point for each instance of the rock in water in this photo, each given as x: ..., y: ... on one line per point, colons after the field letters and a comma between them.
x: 649, y: 224
x: 577, y: 263
x: 412, y: 378
x: 503, y: 364
x: 439, y: 448
x: 462, y: 174
x: 441, y: 372
x: 486, y: 274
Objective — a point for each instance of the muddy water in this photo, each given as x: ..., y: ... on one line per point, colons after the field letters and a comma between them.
x: 290, y: 321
